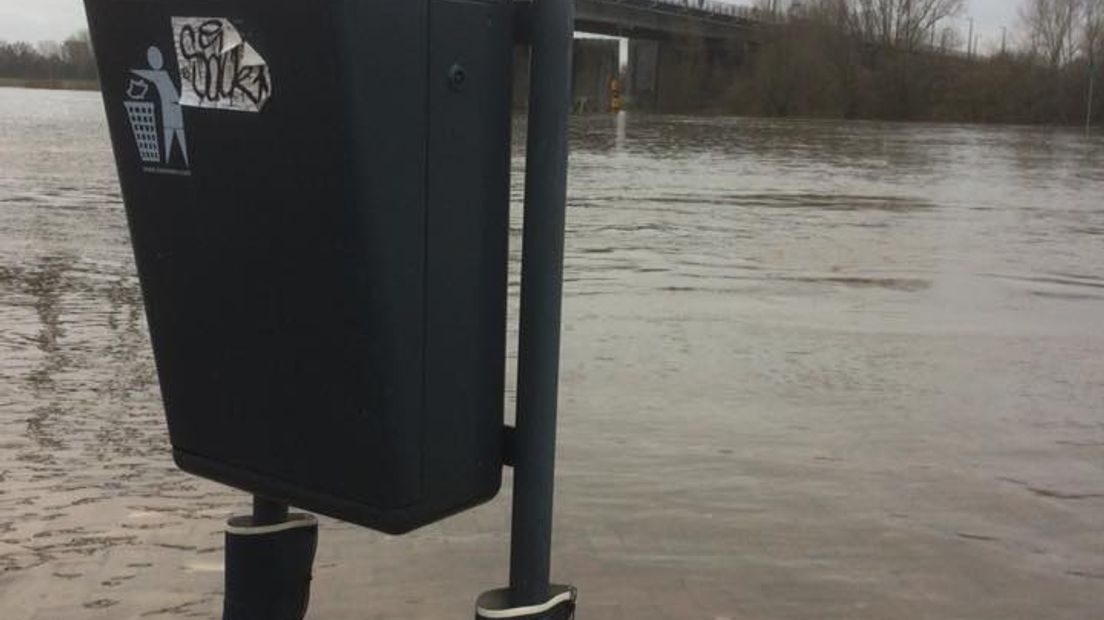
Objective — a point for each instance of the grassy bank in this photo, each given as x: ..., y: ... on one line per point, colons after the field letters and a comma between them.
x: 9, y: 82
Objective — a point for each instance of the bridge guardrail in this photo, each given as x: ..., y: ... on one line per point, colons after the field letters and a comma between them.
x: 705, y: 8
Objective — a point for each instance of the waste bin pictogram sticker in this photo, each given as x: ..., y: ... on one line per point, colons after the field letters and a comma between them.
x: 143, y: 121
x: 153, y: 108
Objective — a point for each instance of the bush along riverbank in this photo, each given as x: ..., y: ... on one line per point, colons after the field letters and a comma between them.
x: 47, y: 83
x: 852, y: 59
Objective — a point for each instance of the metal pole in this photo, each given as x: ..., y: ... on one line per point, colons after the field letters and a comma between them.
x: 1089, y: 110
x: 970, y: 41
x: 268, y: 511
x: 541, y: 293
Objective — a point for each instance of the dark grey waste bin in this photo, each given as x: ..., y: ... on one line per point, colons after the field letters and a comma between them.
x: 317, y: 195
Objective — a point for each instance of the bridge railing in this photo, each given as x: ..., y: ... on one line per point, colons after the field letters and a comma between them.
x: 705, y: 8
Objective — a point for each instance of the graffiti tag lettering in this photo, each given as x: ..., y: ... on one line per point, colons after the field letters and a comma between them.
x: 218, y: 68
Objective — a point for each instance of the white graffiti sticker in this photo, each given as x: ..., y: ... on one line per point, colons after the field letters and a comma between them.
x: 218, y: 67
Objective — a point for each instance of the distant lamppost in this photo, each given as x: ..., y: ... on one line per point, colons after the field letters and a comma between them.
x: 1089, y: 106
x: 970, y: 40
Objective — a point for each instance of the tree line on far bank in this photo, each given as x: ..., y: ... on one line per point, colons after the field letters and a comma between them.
x: 904, y: 60
x: 48, y: 61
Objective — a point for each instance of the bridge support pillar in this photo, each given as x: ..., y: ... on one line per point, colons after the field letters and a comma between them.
x: 643, y: 74
x: 595, y: 62
x: 683, y: 74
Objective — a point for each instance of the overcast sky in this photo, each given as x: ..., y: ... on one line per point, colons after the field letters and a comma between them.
x: 37, y: 20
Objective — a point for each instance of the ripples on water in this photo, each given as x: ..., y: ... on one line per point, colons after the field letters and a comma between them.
x: 799, y: 356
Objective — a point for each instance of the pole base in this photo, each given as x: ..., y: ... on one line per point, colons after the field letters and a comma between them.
x: 495, y: 605
x: 268, y: 568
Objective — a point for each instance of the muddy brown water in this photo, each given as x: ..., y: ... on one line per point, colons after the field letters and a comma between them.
x: 810, y: 370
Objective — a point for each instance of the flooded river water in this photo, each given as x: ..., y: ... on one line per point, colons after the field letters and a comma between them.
x: 812, y: 370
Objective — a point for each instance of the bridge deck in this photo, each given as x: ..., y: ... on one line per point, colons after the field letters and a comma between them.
x: 666, y: 18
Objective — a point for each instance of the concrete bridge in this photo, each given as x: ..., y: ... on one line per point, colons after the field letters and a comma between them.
x: 683, y: 54
x: 661, y: 19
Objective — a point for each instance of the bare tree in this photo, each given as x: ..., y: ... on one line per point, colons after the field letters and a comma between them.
x: 1092, y: 31
x: 77, y: 51
x: 904, y: 24
x: 833, y: 12
x: 1051, y: 27
x: 769, y: 7
x: 48, y: 49
x: 950, y: 39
